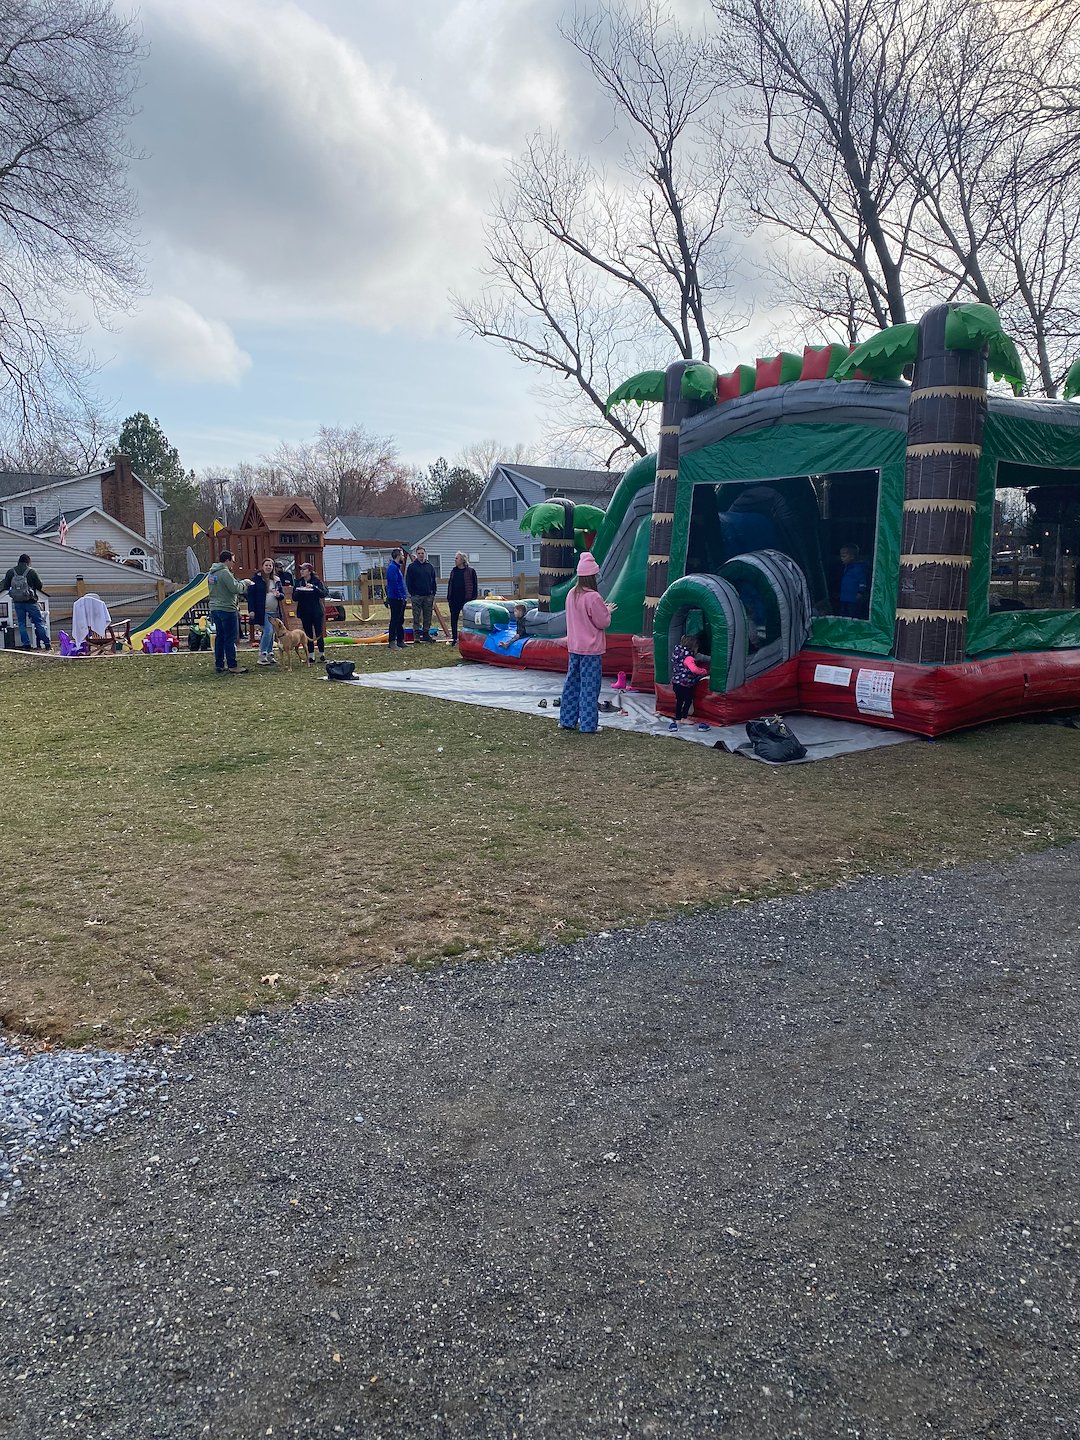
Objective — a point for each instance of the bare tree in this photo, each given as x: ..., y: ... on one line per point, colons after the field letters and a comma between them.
x: 483, y: 455
x: 343, y: 469
x: 909, y: 153
x: 590, y: 272
x: 998, y: 179
x: 74, y: 444
x: 833, y: 87
x: 68, y: 71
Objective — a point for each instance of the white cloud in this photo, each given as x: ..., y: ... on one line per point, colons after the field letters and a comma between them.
x: 285, y: 174
x: 175, y: 342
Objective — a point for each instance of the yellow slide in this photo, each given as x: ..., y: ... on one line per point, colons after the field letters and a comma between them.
x: 173, y: 610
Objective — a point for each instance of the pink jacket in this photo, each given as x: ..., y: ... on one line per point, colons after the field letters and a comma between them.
x: 587, y: 617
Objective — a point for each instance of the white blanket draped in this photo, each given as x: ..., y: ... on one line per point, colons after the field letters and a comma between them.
x: 89, y: 613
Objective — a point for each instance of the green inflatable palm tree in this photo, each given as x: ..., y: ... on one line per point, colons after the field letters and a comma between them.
x: 946, y: 417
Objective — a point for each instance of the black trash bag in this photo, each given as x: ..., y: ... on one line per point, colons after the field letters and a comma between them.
x: 340, y: 669
x: 772, y: 740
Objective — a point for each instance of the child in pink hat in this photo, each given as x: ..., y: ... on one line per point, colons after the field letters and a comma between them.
x: 588, y: 616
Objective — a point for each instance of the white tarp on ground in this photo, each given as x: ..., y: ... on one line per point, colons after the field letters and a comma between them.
x: 524, y: 691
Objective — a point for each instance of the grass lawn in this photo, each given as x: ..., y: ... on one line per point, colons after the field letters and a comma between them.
x: 172, y: 837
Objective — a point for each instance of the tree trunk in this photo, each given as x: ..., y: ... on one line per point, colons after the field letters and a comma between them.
x: 675, y: 411
x: 556, y: 554
x: 946, y: 418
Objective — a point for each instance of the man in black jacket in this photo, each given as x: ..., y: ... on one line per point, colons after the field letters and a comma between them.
x: 421, y: 582
x: 24, y: 586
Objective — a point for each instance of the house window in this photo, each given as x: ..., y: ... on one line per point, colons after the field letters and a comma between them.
x: 137, y: 557
x: 436, y: 560
x: 29, y: 516
x: 519, y: 554
x: 503, y: 508
x: 290, y: 538
x: 536, y: 552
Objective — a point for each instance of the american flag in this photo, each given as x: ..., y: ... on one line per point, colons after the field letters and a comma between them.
x: 63, y: 529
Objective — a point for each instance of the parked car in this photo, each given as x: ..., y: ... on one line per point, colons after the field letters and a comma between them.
x: 334, y: 605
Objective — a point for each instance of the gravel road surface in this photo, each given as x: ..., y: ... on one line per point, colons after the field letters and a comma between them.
x: 797, y: 1170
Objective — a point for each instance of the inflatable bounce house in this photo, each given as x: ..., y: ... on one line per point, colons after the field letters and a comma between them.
x: 838, y: 540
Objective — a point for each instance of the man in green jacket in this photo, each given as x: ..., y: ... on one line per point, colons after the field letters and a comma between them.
x: 225, y: 590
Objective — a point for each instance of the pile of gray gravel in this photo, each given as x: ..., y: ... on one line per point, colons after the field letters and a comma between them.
x: 59, y: 1098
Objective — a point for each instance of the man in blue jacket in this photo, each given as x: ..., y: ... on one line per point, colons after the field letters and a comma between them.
x: 396, y: 595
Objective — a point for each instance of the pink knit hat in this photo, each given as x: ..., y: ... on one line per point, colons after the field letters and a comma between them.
x: 587, y: 565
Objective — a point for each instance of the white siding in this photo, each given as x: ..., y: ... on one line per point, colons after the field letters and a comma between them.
x: 530, y: 494
x: 48, y: 502
x: 493, y: 561
x: 152, y: 509
x: 60, y: 565
x: 83, y: 533
x: 336, y: 557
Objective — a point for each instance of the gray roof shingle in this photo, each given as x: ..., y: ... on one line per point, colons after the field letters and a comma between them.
x: 14, y: 482
x: 580, y: 485
x: 395, y: 529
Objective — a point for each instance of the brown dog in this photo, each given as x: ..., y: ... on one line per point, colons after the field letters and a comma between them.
x: 290, y: 641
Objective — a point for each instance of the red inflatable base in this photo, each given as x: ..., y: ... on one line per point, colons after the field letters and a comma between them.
x: 540, y: 654
x: 936, y: 699
x: 774, y: 693
x: 925, y: 699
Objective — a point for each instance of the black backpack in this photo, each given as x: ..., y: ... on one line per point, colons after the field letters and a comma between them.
x: 772, y: 740
x: 339, y: 669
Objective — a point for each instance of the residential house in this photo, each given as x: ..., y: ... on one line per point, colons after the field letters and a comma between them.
x: 513, y: 489
x: 359, y: 545
x: 109, y: 513
x: 66, y: 573
x: 276, y: 527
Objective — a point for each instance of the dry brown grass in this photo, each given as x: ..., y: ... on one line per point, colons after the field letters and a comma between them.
x: 172, y: 837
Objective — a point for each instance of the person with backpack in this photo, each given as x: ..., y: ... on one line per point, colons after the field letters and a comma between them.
x: 24, y: 586
x: 225, y: 589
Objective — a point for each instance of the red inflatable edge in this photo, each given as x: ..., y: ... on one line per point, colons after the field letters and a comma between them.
x: 922, y: 699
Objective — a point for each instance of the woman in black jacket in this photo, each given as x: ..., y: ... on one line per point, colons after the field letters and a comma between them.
x: 307, y: 596
x: 461, y: 586
x: 265, y: 596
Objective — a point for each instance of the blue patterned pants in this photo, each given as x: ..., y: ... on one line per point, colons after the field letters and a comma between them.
x: 579, y: 706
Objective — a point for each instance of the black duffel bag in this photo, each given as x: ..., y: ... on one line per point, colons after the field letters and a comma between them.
x: 772, y: 740
x: 340, y: 669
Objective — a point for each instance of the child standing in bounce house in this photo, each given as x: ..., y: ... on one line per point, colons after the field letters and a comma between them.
x: 587, y: 619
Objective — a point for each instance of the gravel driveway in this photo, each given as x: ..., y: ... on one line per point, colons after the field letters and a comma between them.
x: 799, y: 1170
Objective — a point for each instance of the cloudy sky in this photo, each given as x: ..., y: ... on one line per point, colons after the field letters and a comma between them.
x: 313, y: 179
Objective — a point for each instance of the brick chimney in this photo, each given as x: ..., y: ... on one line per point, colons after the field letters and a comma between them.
x: 122, y: 496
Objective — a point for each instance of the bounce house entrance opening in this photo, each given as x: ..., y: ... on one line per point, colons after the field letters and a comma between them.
x: 827, y: 524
